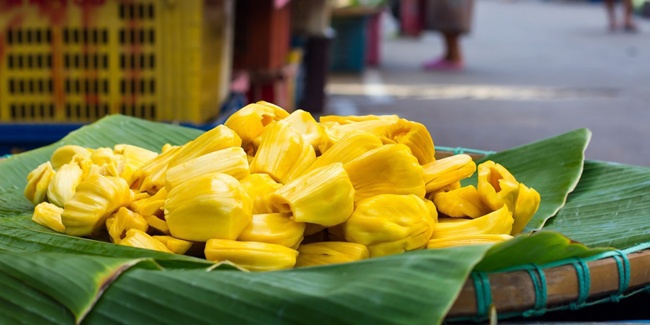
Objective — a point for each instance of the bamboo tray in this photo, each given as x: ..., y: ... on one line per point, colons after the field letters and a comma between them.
x: 564, y: 285
x: 576, y: 284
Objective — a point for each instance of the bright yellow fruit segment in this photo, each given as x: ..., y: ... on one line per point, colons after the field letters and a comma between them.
x: 212, y: 205
x: 252, y: 256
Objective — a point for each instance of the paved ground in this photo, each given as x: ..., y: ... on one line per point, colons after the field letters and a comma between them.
x: 534, y: 69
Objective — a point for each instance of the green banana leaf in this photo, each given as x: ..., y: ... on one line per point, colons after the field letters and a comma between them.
x: 551, y: 166
x: 537, y: 248
x: 415, y: 287
x: 610, y: 207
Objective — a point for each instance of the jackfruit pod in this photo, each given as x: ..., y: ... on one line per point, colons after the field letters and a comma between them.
x: 389, y: 169
x: 450, y: 187
x: 166, y: 147
x: 105, y: 156
x: 48, y: 215
x: 274, y: 228
x: 38, y: 181
x: 445, y: 171
x: 258, y: 186
x: 140, y: 239
x: 283, y: 153
x: 464, y: 240
x: 64, y: 183
x: 220, y: 137
x: 461, y: 202
x: 307, y: 126
x: 252, y: 256
x: 250, y: 121
x: 123, y: 220
x: 527, y: 203
x: 334, y: 132
x: 496, y: 222
x: 347, y: 119
x: 231, y: 161
x: 134, y: 158
x: 325, y: 253
x: 150, y: 177
x: 212, y: 205
x: 157, y: 224
x: 496, y: 185
x: 65, y: 154
x: 149, y: 205
x: 177, y: 246
x: 390, y: 224
x: 351, y: 146
x: 323, y: 196
x: 96, y: 198
x: 414, y: 135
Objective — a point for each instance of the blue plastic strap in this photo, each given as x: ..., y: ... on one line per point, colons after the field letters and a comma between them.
x: 623, y: 267
x: 584, y: 284
x: 483, y: 293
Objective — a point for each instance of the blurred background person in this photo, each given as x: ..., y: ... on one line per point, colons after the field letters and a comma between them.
x: 452, y: 19
x: 628, y: 13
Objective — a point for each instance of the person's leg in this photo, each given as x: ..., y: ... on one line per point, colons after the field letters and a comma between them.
x: 452, y: 58
x: 611, y: 15
x: 452, y: 44
x: 628, y: 22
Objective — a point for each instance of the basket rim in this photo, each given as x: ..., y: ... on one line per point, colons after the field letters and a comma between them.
x: 607, y: 277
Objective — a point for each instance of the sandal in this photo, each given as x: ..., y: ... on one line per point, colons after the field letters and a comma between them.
x: 442, y: 65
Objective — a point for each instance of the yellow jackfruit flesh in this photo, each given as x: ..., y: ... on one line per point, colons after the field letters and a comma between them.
x: 449, y: 170
x: 250, y: 121
x: 48, y: 215
x: 307, y: 126
x: 283, y: 153
x: 212, y: 205
x: 134, y: 158
x: 464, y: 240
x: 528, y: 200
x: 231, y: 161
x: 123, y: 220
x: 220, y: 137
x: 177, y: 246
x: 150, y: 177
x: 351, y: 146
x: 324, y: 196
x: 334, y: 132
x: 65, y: 154
x: 64, y: 183
x: 149, y: 205
x: 389, y: 169
x: 258, y: 186
x: 390, y: 224
x: 274, y: 228
x: 347, y: 119
x: 496, y: 222
x: 325, y: 253
x: 461, y: 202
x: 96, y: 198
x: 38, y: 181
x: 140, y: 239
x: 497, y: 186
x: 414, y: 135
x: 252, y: 256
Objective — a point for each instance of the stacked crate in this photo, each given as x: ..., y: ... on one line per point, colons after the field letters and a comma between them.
x: 77, y: 61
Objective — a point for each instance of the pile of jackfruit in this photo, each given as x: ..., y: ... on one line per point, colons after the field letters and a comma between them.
x: 271, y: 190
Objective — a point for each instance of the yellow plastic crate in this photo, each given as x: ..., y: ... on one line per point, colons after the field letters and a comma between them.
x: 78, y: 60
